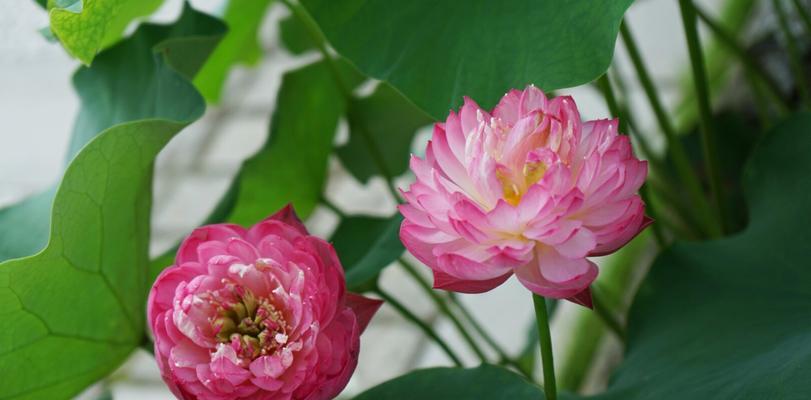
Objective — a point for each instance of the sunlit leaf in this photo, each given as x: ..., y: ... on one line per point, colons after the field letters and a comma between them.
x: 128, y: 84
x: 74, y: 311
x: 86, y: 26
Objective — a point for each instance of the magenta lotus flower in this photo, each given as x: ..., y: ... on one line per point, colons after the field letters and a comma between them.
x: 256, y: 314
x: 527, y: 189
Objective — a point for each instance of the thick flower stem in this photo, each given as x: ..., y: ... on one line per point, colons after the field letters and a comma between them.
x: 706, y: 126
x: 545, y: 338
x: 750, y: 63
x: 443, y: 308
x: 410, y: 316
x: 674, y: 146
x: 795, y: 61
x: 321, y: 43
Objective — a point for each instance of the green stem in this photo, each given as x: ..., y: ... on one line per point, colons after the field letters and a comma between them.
x: 545, y: 339
x: 762, y: 103
x: 505, y: 358
x: 443, y: 307
x: 321, y: 43
x: 674, y: 146
x: 410, y: 316
x: 658, y: 234
x: 333, y: 208
x: 606, y: 315
x: 750, y: 63
x: 706, y: 125
x: 611, y: 101
x: 793, y: 53
x: 806, y: 18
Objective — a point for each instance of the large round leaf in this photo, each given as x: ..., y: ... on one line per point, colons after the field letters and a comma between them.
x: 75, y: 310
x: 731, y: 319
x: 435, y: 52
x: 484, y: 382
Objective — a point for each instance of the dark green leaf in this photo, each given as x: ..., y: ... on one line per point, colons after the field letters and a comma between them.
x: 127, y: 83
x: 74, y: 311
x: 738, y: 137
x: 292, y: 165
x: 437, y: 52
x: 240, y: 45
x: 483, y: 382
x: 729, y: 319
x: 366, y: 245
x: 294, y: 36
x: 389, y: 120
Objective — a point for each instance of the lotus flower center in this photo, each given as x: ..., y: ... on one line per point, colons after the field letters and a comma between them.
x: 514, y: 185
x: 252, y: 325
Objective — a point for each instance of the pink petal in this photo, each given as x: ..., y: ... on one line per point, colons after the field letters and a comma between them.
x: 363, y: 307
x: 288, y: 216
x: 446, y: 282
x: 552, y: 275
x: 583, y: 298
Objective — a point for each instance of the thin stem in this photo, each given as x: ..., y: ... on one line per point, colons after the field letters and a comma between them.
x: 605, y: 314
x: 611, y: 101
x: 443, y: 307
x: 706, y: 125
x: 793, y: 53
x: 604, y: 83
x: 410, y: 316
x: 545, y: 338
x: 806, y: 18
x: 333, y: 207
x: 321, y: 43
x: 658, y: 234
x: 762, y: 104
x: 506, y: 359
x: 750, y: 63
x: 674, y: 146
x: 377, y: 157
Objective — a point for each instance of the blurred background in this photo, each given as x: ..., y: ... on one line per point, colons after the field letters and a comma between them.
x: 38, y: 107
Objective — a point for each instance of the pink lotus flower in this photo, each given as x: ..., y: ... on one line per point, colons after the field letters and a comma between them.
x: 527, y: 189
x: 256, y: 314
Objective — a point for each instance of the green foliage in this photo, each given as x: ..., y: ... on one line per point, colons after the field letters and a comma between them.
x: 240, y: 46
x: 75, y: 310
x: 728, y: 319
x: 292, y: 165
x: 437, y: 52
x: 724, y: 319
x: 86, y: 26
x: 483, y: 382
x: 367, y: 245
x: 389, y: 121
x: 128, y: 83
x: 294, y: 36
